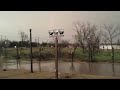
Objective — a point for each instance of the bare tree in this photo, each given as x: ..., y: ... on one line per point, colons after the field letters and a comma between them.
x: 87, y: 37
x: 110, y: 32
x: 64, y: 43
x: 23, y: 37
x: 61, y: 45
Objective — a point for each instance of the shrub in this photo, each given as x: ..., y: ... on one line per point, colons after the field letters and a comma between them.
x: 45, y: 55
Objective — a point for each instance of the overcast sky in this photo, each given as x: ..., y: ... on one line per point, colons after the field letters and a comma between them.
x: 11, y: 22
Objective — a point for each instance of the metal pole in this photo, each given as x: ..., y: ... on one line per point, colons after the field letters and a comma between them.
x: 5, y: 55
x: 39, y: 58
x: 17, y: 54
x: 31, y: 51
x: 39, y: 55
x: 56, y: 61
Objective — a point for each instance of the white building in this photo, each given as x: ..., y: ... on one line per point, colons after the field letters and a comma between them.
x: 109, y: 47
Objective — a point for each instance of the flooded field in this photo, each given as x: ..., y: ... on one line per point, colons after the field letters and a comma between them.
x: 106, y: 69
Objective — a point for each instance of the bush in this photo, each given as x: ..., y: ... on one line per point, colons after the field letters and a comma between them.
x: 45, y: 55
x: 64, y: 54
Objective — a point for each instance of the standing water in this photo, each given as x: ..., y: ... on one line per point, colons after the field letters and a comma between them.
x: 68, y: 67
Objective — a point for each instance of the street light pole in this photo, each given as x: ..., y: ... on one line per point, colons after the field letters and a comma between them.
x: 31, y: 51
x: 17, y: 57
x: 5, y: 69
x: 56, y: 34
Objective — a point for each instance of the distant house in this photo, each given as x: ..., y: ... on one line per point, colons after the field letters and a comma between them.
x: 109, y: 47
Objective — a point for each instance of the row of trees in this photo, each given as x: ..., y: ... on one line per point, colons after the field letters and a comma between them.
x: 12, y: 44
x: 89, y: 37
x: 24, y: 42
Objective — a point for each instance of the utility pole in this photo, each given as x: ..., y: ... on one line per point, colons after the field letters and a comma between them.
x: 31, y: 51
x: 40, y: 49
x: 5, y: 55
x: 5, y: 46
x: 56, y: 55
x: 17, y: 56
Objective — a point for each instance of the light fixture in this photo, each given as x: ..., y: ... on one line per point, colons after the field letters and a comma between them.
x: 61, y: 31
x: 15, y: 46
x: 56, y: 32
x: 50, y: 32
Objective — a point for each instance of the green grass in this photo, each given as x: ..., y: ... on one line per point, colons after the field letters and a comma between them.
x: 80, y: 55
x: 25, y: 53
x: 49, y: 53
x: 107, y: 56
x: 101, y: 56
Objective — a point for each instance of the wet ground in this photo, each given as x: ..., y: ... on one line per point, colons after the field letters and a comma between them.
x: 106, y: 69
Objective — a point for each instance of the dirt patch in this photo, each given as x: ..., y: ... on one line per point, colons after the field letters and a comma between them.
x: 22, y: 74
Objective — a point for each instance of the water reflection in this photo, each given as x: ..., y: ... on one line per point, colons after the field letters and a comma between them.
x: 113, y: 69
x: 108, y: 69
x: 72, y: 68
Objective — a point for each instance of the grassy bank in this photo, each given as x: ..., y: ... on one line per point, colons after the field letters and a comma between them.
x: 49, y: 53
x: 101, y: 56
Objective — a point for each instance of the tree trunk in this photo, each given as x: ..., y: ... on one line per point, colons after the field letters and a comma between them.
x: 112, y: 54
x: 91, y: 56
x: 72, y: 56
x: 113, y: 68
